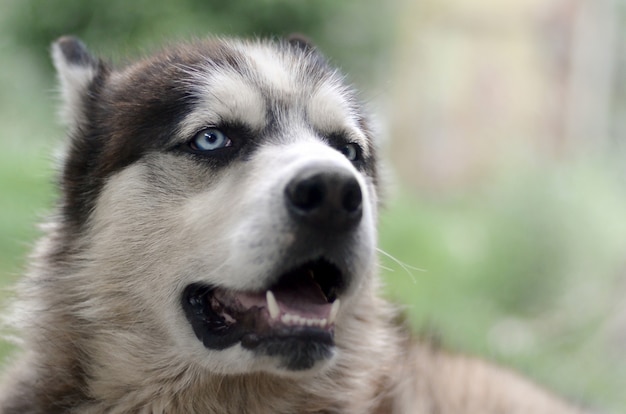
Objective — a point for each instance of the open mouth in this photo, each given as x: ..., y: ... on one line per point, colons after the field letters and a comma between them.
x: 293, y: 319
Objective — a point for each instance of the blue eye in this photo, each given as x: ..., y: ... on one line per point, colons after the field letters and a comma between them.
x: 209, y: 139
x: 351, y: 151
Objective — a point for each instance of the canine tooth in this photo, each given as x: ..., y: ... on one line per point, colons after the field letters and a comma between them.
x: 272, y: 305
x: 323, y: 322
x: 333, y: 311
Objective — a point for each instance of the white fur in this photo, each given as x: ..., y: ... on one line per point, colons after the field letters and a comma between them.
x: 271, y: 69
x: 329, y: 112
x: 219, y: 104
x: 74, y: 80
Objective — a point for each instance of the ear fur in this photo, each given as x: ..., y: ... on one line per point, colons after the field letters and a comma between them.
x: 301, y: 42
x: 76, y: 70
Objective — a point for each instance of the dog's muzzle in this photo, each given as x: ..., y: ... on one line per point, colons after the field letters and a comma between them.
x: 293, y: 318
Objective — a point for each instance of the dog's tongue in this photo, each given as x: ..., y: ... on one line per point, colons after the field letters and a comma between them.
x: 300, y: 295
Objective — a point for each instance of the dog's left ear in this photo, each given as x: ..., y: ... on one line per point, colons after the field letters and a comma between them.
x: 76, y: 69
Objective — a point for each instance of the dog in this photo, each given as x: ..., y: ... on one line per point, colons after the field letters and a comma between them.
x: 213, y: 250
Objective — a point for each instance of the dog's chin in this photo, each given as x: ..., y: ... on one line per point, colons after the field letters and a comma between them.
x: 292, y: 322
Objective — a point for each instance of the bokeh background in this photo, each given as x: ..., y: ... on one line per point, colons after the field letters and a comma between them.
x: 503, y: 126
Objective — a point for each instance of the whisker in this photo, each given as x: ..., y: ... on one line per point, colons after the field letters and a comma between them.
x: 386, y: 268
x: 406, y: 267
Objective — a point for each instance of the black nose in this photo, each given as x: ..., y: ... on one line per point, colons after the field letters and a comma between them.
x: 325, y: 198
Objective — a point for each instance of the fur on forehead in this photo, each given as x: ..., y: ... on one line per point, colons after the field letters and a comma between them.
x: 268, y: 82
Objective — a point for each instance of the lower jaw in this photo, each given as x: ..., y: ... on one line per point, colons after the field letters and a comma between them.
x: 295, y: 354
x: 285, y: 351
x: 296, y: 349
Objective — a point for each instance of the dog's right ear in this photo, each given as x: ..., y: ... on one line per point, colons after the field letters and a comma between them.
x: 76, y: 70
x: 302, y: 42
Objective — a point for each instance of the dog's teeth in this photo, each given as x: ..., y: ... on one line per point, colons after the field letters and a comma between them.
x: 333, y: 311
x: 272, y: 305
x: 291, y: 319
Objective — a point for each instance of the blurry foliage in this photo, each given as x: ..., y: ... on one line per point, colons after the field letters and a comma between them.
x: 121, y: 26
x: 523, y: 270
x: 121, y: 21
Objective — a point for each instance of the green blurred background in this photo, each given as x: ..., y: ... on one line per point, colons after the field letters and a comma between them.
x: 502, y: 125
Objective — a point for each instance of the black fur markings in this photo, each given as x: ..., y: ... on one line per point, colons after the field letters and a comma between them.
x: 243, y: 137
x: 122, y: 123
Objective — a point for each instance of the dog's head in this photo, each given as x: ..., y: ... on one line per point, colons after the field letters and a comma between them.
x: 221, y: 197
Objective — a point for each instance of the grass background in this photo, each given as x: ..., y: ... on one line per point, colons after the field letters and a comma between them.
x: 526, y: 268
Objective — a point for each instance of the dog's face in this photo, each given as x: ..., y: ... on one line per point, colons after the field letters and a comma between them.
x: 222, y: 195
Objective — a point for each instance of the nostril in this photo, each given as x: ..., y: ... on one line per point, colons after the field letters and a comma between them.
x: 352, y: 198
x: 307, y: 194
x: 325, y: 199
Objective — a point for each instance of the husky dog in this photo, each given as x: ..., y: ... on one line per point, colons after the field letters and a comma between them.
x: 214, y: 251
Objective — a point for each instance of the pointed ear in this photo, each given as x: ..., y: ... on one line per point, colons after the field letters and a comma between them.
x: 76, y: 71
x: 300, y: 41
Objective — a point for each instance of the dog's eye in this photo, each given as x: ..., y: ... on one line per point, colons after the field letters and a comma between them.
x: 209, y: 139
x: 351, y: 151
